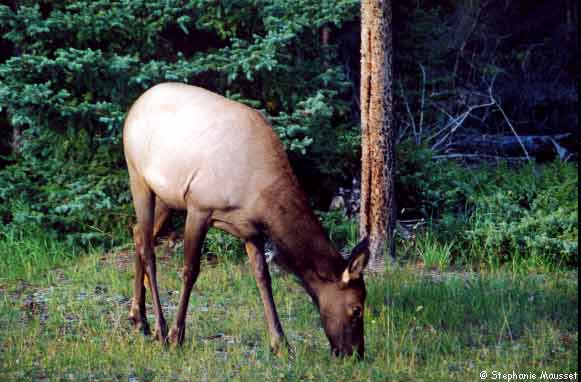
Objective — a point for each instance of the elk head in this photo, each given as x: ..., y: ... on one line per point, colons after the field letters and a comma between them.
x: 341, y: 305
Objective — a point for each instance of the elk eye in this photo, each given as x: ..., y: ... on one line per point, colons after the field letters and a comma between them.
x: 356, y: 312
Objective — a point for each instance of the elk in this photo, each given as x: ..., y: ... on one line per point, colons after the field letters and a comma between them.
x: 190, y: 149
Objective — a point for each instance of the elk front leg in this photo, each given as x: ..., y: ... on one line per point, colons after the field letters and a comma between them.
x: 255, y: 251
x: 195, y: 232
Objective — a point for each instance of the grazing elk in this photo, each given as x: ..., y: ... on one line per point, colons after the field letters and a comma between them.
x: 190, y: 149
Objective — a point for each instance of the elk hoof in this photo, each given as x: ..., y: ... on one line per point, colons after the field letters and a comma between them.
x: 139, y: 324
x: 176, y: 336
x: 160, y: 332
x: 282, y: 349
x: 142, y: 327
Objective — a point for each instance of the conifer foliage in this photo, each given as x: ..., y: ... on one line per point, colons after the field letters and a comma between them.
x: 71, y: 69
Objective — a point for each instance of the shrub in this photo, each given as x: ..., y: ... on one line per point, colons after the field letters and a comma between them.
x: 497, y: 214
x: 342, y: 230
x: 528, y: 213
x: 427, y: 188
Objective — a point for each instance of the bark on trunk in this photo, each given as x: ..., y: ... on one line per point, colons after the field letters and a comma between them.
x: 377, y: 214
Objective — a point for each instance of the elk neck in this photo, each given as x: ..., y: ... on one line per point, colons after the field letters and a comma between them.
x: 304, y: 247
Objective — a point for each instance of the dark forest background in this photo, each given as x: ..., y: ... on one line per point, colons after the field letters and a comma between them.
x: 485, y: 92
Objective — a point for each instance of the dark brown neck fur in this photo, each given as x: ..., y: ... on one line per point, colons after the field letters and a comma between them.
x: 299, y: 236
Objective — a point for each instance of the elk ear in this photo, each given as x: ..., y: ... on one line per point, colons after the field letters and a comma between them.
x: 357, y: 261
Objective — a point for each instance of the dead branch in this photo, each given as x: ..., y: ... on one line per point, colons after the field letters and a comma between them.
x: 478, y: 156
x: 497, y: 104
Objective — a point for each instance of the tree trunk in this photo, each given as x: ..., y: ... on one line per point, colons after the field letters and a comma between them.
x: 377, y: 214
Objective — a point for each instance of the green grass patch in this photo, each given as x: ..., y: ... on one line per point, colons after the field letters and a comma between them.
x: 432, y: 253
x: 69, y: 323
x: 27, y: 255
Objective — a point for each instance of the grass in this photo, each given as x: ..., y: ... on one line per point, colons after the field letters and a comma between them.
x: 433, y: 254
x: 29, y: 255
x: 64, y: 318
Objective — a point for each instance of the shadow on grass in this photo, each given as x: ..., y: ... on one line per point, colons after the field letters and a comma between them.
x: 474, y: 309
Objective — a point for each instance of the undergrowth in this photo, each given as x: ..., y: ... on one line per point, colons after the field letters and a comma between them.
x: 492, y: 216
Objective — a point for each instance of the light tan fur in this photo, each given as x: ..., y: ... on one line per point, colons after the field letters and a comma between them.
x: 190, y: 149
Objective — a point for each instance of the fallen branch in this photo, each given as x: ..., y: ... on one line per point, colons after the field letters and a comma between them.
x: 478, y: 156
x: 511, y: 146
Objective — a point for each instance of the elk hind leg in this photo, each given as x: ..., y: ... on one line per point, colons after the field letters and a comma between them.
x: 144, y: 202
